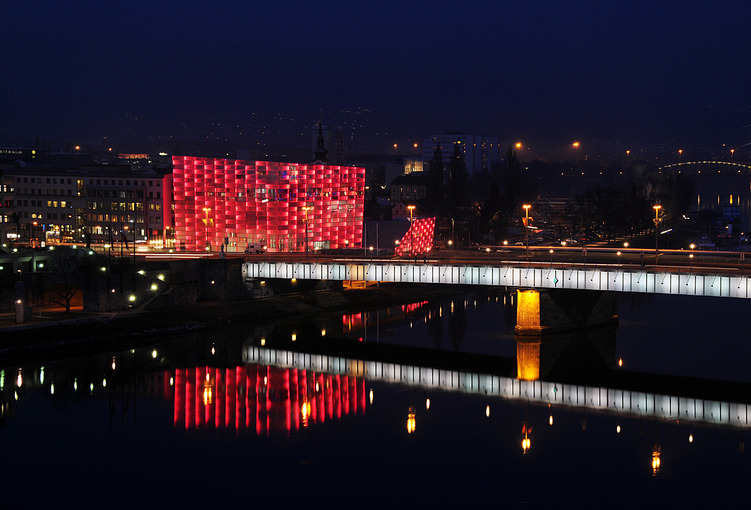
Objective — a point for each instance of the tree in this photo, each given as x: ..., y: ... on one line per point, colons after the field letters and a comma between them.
x: 436, y: 179
x: 512, y: 176
x: 491, y: 207
x: 673, y: 191
x: 457, y: 183
x: 68, y: 270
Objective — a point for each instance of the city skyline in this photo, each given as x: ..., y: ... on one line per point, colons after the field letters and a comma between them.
x: 612, y: 77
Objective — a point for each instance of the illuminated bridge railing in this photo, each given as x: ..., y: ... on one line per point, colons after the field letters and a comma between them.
x: 625, y: 402
x: 597, y: 277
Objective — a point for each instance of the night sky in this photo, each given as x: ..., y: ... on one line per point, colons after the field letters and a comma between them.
x: 613, y: 75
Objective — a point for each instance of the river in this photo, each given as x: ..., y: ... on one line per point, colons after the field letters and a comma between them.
x: 209, y: 419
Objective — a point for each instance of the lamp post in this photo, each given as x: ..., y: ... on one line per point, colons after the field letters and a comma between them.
x: 134, y: 257
x: 657, y: 229
x: 208, y: 244
x: 305, y: 221
x: 691, y: 257
x: 526, y: 227
x: 453, y: 239
x: 411, y: 243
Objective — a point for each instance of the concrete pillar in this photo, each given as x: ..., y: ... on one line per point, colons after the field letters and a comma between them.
x: 528, y: 358
x: 528, y: 312
x: 554, y: 310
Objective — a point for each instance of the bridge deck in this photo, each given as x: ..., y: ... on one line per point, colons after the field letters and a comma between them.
x: 534, y: 276
x: 625, y: 402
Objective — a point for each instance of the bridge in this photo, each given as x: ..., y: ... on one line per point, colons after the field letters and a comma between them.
x: 622, y: 401
x: 709, y: 167
x: 675, y: 280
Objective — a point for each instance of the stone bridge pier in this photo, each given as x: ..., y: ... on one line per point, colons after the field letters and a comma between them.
x: 559, y: 332
x: 545, y: 311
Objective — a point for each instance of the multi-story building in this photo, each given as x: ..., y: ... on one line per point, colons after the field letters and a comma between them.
x: 7, y: 208
x: 140, y: 200
x: 91, y: 203
x: 480, y: 151
x: 227, y: 204
x: 412, y: 165
x: 409, y: 187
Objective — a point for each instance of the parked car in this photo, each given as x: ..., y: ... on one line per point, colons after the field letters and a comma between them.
x: 255, y: 248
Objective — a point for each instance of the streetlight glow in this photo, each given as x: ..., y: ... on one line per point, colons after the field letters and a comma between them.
x: 527, y: 207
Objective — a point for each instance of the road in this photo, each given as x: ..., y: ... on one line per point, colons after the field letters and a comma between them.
x: 558, y: 256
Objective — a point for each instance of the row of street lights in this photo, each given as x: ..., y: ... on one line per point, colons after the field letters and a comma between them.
x: 656, y: 220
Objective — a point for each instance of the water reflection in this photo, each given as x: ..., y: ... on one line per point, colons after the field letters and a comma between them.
x: 263, y: 398
x: 339, y: 375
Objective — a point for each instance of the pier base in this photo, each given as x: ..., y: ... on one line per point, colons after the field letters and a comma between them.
x: 541, y: 312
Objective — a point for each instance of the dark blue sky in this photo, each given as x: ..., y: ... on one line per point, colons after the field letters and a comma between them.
x: 614, y: 75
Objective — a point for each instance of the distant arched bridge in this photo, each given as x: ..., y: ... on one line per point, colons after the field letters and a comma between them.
x: 709, y: 167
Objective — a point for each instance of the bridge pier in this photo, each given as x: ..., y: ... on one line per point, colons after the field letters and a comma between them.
x: 541, y: 317
x: 546, y: 311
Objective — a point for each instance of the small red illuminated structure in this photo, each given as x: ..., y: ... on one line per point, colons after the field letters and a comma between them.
x: 418, y: 239
x: 285, y: 207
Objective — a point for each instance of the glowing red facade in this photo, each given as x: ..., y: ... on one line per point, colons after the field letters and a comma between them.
x: 418, y: 239
x: 283, y: 206
x: 269, y: 399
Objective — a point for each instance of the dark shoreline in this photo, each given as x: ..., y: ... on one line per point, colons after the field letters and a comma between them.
x: 64, y: 337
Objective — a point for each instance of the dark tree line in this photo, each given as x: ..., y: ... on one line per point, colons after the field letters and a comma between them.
x: 449, y: 184
x: 627, y: 209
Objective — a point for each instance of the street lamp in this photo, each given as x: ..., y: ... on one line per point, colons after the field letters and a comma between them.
x: 657, y: 229
x: 411, y: 234
x: 208, y: 244
x: 306, y: 209
x: 526, y: 227
x: 691, y: 256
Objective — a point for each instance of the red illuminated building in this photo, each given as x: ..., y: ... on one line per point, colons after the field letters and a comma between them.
x: 283, y: 206
x: 418, y: 239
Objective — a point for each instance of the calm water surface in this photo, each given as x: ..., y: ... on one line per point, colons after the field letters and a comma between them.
x: 205, y: 426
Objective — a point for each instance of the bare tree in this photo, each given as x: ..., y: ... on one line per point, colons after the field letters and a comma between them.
x: 65, y: 277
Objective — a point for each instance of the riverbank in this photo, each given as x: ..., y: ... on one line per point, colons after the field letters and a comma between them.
x: 70, y: 334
